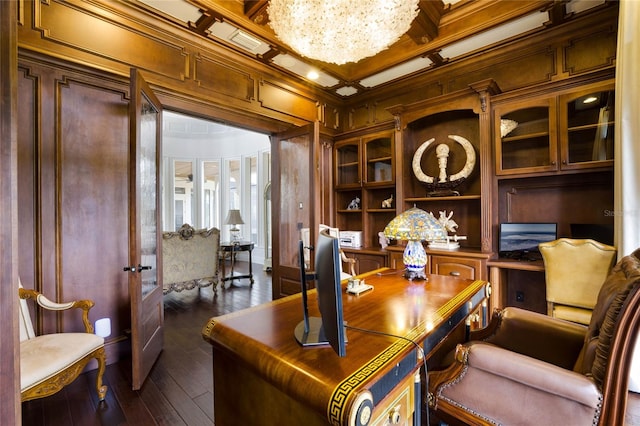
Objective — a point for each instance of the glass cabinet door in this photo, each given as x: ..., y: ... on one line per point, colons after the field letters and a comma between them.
x: 587, y: 128
x: 526, y: 139
x: 379, y: 167
x: 347, y: 164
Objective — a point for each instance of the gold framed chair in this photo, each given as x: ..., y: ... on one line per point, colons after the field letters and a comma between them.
x: 574, y: 272
x: 527, y: 368
x: 49, y: 362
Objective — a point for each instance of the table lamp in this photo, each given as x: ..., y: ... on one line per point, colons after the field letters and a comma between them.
x: 234, y: 219
x: 414, y: 226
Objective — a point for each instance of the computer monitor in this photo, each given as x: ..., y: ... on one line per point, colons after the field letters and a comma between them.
x: 520, y: 240
x: 329, y: 328
x: 602, y: 233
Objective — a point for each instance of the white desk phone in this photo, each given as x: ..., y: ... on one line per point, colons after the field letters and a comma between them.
x: 357, y: 286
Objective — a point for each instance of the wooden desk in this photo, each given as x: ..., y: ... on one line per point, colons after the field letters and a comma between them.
x: 232, y: 249
x: 263, y: 377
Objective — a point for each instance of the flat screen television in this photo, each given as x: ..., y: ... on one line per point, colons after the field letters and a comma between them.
x: 520, y: 240
x: 329, y: 328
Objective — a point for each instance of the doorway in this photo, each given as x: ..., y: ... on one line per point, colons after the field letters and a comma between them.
x: 210, y: 168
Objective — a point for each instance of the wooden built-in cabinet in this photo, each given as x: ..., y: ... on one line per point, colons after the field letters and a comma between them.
x: 555, y: 165
x: 445, y: 119
x: 563, y: 131
x: 365, y: 170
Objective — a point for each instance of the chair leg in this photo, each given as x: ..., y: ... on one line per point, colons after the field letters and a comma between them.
x: 102, y: 363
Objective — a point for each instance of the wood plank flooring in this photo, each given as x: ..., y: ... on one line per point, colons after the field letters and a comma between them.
x: 179, y: 390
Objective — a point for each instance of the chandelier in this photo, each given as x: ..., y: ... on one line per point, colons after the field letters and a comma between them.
x: 340, y: 31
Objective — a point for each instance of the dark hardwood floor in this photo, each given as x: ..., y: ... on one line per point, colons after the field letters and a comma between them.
x: 179, y: 390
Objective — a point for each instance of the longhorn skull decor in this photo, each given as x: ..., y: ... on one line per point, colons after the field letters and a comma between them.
x: 443, y: 185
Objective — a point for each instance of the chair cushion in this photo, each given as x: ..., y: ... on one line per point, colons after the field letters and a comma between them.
x: 572, y: 313
x: 59, y: 350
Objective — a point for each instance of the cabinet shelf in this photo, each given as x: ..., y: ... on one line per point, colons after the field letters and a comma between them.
x: 525, y: 137
x: 349, y: 211
x: 379, y: 159
x: 352, y: 164
x: 381, y: 211
x: 436, y: 199
x: 589, y: 126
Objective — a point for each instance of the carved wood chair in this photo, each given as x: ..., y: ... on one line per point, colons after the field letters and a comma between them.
x: 574, y: 272
x: 51, y: 361
x: 351, y: 263
x: 527, y: 368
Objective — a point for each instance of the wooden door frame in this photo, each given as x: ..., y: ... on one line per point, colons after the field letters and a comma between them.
x: 10, y: 409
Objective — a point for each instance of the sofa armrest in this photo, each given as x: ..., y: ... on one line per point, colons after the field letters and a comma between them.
x: 520, y: 387
x: 44, y: 302
x: 540, y: 336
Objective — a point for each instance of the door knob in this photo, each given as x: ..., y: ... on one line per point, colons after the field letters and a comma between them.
x: 129, y: 269
x: 143, y: 268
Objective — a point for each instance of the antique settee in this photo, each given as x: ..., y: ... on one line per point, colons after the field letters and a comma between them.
x: 190, y: 259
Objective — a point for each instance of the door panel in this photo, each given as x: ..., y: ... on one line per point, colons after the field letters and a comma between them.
x: 293, y: 204
x: 145, y: 276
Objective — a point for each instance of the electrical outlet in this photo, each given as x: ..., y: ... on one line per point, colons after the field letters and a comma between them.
x: 519, y: 296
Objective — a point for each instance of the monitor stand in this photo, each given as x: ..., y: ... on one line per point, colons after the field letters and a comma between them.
x: 311, y: 335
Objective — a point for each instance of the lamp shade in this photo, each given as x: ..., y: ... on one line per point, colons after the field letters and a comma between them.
x: 415, y: 225
x: 234, y: 218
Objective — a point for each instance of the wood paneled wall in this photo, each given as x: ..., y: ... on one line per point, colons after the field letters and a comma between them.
x: 73, y: 157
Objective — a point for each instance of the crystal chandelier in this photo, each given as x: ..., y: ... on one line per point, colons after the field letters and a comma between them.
x: 340, y: 31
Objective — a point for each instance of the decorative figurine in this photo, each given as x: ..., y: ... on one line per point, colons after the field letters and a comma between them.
x: 387, y: 204
x: 384, y: 241
x: 443, y: 185
x: 354, y: 204
x: 447, y: 223
x: 450, y: 242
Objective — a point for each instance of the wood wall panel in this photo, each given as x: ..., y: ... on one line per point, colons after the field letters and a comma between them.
x: 28, y: 148
x: 93, y: 206
x: 526, y: 69
x: 73, y: 153
x: 596, y: 50
x: 216, y: 76
x: 278, y: 98
x: 359, y: 116
x: 576, y: 199
x: 110, y: 39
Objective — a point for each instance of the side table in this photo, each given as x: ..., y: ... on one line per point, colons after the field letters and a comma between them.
x: 232, y: 248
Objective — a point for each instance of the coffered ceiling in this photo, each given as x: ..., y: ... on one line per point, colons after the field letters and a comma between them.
x: 444, y: 31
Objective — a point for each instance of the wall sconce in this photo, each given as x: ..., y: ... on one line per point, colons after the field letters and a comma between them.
x: 234, y: 219
x: 414, y: 226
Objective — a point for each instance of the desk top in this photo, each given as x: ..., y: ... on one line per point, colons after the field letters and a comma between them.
x: 262, y: 337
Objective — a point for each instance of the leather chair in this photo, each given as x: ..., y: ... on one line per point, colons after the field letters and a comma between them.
x: 527, y: 368
x: 51, y: 361
x: 574, y: 273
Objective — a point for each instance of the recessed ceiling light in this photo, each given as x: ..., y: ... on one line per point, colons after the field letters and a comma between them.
x: 313, y: 75
x: 590, y: 99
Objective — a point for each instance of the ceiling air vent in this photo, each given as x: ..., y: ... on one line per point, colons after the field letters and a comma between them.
x: 244, y: 40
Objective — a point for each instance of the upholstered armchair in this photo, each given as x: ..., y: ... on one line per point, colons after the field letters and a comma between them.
x: 51, y: 361
x: 574, y: 272
x: 527, y: 368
